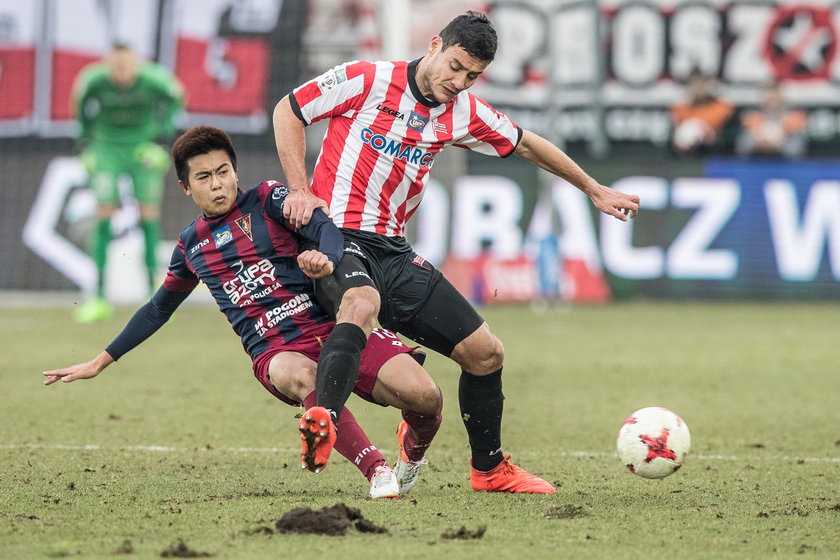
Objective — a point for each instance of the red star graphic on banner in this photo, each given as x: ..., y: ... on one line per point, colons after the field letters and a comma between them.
x: 658, y: 446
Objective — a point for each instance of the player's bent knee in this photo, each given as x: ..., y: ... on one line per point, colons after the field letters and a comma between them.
x: 425, y: 402
x: 492, y: 356
x: 435, y: 400
x: 295, y: 383
x: 480, y: 353
x: 359, y: 306
x: 404, y: 384
x: 302, y: 383
x: 428, y: 398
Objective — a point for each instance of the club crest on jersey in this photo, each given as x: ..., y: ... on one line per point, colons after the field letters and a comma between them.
x: 421, y: 262
x: 417, y: 122
x: 222, y: 236
x: 244, y: 224
x: 279, y: 191
x: 332, y: 78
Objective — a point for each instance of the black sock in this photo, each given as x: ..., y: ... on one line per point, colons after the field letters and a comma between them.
x: 338, y: 366
x: 482, y: 401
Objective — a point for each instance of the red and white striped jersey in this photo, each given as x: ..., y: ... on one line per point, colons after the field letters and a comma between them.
x: 382, y: 139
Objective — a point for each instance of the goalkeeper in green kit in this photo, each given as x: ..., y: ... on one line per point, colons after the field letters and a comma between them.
x: 124, y: 106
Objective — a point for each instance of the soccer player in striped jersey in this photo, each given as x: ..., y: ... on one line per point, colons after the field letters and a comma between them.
x: 386, y: 123
x: 248, y: 256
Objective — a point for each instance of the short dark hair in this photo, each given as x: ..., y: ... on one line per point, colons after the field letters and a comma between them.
x: 197, y: 141
x: 474, y: 33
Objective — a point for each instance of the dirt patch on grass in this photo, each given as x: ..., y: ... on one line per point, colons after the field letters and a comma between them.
x: 465, y: 534
x: 179, y: 549
x: 125, y: 548
x: 566, y: 511
x: 331, y: 521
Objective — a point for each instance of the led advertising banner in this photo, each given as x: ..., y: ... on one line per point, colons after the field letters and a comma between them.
x: 743, y: 230
x: 620, y: 64
x: 746, y: 229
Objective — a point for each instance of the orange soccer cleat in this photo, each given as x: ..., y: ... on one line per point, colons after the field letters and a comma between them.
x: 317, y: 435
x: 507, y: 477
x: 407, y: 471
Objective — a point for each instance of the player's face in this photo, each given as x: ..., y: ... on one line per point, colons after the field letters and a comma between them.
x: 122, y: 68
x: 212, y: 183
x: 443, y: 74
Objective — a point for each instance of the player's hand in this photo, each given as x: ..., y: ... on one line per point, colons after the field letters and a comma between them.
x: 315, y: 264
x: 72, y: 373
x: 299, y: 206
x: 615, y: 203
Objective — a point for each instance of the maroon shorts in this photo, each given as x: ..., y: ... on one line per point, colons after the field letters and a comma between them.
x: 382, y: 345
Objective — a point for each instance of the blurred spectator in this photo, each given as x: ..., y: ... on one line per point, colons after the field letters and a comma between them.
x: 699, y: 121
x: 124, y: 106
x: 773, y: 129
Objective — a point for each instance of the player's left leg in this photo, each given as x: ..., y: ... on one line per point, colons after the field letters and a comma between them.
x: 151, y: 164
x: 150, y: 226
x: 290, y: 377
x: 422, y: 305
x: 403, y: 383
x: 391, y: 373
x: 447, y: 323
x: 481, y: 394
x: 350, y: 296
x: 103, y: 164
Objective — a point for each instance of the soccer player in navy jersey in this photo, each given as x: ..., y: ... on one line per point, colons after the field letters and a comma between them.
x: 387, y: 121
x: 248, y: 256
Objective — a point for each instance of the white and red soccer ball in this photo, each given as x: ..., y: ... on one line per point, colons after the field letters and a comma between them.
x: 653, y: 442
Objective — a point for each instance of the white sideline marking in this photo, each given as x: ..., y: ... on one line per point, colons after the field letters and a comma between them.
x: 165, y: 449
x: 715, y: 457
x: 153, y: 448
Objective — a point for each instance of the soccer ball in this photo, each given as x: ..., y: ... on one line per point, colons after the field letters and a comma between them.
x: 653, y: 442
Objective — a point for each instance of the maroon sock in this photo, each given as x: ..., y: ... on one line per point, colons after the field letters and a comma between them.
x: 421, y: 431
x: 352, y: 442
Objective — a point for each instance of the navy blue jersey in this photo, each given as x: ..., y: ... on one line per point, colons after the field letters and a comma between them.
x: 248, y: 260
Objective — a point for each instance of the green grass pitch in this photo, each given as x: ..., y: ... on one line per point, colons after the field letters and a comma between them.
x: 177, y: 443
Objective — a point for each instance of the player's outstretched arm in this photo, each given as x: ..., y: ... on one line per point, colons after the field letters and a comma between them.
x: 546, y: 155
x: 290, y: 138
x: 143, y: 324
x: 86, y: 370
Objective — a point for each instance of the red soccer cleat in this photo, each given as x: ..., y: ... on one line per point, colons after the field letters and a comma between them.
x: 507, y: 477
x: 317, y: 435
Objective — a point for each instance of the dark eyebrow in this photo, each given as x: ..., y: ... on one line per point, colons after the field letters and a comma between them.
x: 205, y: 172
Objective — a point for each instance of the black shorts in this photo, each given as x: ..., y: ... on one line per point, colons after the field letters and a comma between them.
x: 417, y: 301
